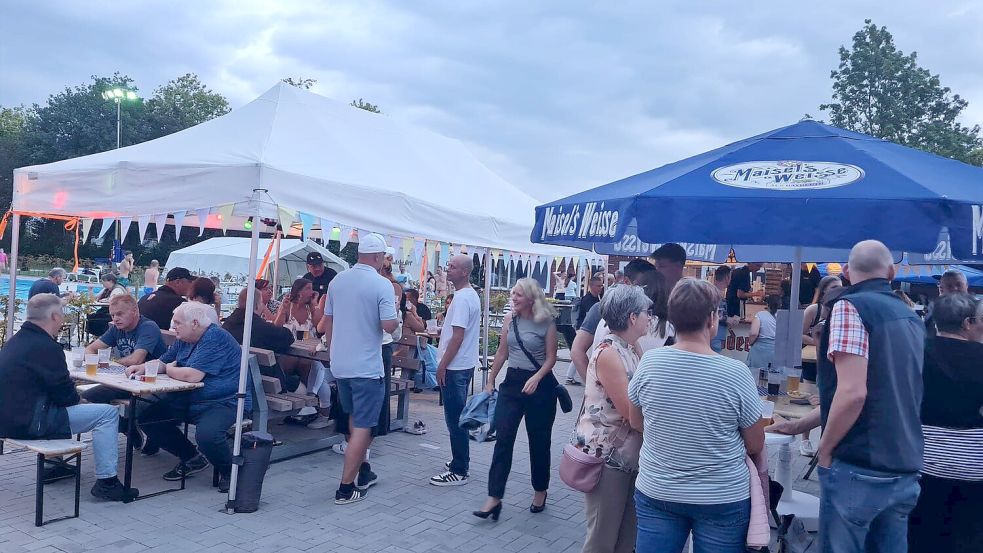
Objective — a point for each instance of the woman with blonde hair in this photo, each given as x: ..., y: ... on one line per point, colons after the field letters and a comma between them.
x: 528, y: 344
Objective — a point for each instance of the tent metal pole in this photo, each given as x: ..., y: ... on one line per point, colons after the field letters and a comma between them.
x: 486, y: 317
x: 795, y: 335
x: 276, y: 264
x: 244, y: 356
x: 12, y: 295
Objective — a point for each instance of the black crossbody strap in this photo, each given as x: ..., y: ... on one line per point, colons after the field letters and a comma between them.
x: 515, y: 330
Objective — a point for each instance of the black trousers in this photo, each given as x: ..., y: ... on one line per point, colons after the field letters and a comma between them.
x: 947, y: 517
x: 539, y: 410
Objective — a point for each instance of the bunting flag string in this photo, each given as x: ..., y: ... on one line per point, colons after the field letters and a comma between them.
x: 124, y: 227
x: 445, y: 252
x: 86, y: 227
x: 202, y: 215
x: 327, y: 229
x: 178, y: 224
x: 345, y: 236
x: 225, y: 214
x: 306, y: 223
x: 160, y: 221
x: 287, y: 218
x: 142, y: 222
x: 407, y: 249
x: 418, y: 249
x: 106, y: 224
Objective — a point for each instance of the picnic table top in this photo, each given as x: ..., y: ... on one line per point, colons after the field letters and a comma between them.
x: 120, y: 381
x: 307, y: 348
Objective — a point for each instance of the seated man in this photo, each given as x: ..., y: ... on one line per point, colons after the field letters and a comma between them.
x: 137, y: 339
x: 203, y: 352
x: 265, y: 335
x: 32, y: 366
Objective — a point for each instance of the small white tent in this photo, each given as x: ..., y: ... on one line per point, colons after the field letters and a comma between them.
x: 222, y: 256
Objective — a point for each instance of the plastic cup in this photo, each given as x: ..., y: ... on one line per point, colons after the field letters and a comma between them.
x: 793, y: 377
x: 768, y: 411
x: 432, y: 326
x: 151, y: 368
x: 91, y: 363
x: 78, y: 357
x: 104, y: 356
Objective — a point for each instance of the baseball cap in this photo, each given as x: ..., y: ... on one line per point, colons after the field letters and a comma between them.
x: 315, y: 258
x: 372, y: 243
x: 179, y: 273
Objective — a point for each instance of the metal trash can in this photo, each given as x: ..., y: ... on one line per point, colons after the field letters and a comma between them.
x: 256, y: 450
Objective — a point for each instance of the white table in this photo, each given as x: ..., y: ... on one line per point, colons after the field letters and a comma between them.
x: 802, y: 505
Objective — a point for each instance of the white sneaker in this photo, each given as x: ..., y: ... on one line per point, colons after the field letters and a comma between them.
x: 320, y: 422
x: 340, y: 448
x: 807, y: 449
x: 449, y: 478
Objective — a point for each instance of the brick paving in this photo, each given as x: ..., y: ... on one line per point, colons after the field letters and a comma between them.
x: 403, y: 513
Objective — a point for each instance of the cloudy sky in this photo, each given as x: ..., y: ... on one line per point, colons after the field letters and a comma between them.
x: 556, y: 96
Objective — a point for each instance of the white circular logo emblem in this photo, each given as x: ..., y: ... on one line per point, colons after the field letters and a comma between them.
x: 788, y: 175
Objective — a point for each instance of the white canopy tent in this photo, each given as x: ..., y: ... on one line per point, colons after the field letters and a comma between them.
x: 228, y: 255
x: 298, y: 159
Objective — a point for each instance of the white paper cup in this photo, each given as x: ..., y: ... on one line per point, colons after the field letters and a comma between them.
x: 767, y: 409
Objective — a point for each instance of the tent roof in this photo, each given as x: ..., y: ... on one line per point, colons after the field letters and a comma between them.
x: 231, y: 255
x: 335, y: 162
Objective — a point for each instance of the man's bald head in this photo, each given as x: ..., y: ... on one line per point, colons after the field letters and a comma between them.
x: 870, y: 259
x: 953, y: 282
x: 459, y: 270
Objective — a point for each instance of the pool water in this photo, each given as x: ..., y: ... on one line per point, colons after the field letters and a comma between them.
x: 24, y: 286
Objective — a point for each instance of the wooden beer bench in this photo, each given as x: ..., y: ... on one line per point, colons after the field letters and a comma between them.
x: 57, y: 452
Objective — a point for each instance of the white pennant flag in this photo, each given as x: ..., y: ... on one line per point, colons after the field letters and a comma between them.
x: 418, y: 248
x: 178, y: 223
x: 327, y: 228
x: 106, y: 223
x: 202, y: 220
x: 124, y: 225
x: 86, y: 227
x: 345, y: 236
x: 287, y: 218
x: 225, y: 214
x: 160, y: 221
x: 142, y: 222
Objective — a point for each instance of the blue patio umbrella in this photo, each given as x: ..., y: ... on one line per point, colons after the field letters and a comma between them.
x: 805, y: 185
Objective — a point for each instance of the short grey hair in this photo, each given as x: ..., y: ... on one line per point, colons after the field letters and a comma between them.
x: 950, y: 310
x: 620, y: 302
x: 42, y: 306
x: 871, y: 257
x: 194, y: 311
x: 57, y: 272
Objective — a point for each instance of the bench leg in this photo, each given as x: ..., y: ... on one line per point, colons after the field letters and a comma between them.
x: 78, y: 482
x: 39, y: 493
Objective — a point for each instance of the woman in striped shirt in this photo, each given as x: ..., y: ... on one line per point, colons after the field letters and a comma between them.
x: 950, y: 507
x: 702, y: 416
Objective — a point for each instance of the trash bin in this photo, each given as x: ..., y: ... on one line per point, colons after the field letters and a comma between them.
x: 256, y: 450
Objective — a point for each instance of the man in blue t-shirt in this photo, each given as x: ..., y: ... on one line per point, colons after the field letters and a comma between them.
x: 205, y: 353
x: 49, y: 285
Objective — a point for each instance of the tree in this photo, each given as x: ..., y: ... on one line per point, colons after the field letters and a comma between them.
x: 180, y: 104
x: 374, y: 108
x: 300, y: 82
x: 880, y: 91
x: 13, y: 122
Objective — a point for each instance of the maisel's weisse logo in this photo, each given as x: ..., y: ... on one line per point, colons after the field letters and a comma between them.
x: 582, y: 221
x: 788, y: 175
x: 977, y: 229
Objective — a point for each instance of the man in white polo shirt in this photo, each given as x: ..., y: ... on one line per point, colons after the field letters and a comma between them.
x: 362, y: 302
x: 458, y: 357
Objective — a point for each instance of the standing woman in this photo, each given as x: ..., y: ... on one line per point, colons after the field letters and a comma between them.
x: 762, y: 334
x: 702, y: 417
x: 604, y: 429
x: 528, y: 344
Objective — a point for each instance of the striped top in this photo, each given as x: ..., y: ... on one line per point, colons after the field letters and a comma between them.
x: 694, y: 406
x: 953, y: 453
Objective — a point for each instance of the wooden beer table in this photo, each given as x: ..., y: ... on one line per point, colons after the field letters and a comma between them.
x: 139, y: 391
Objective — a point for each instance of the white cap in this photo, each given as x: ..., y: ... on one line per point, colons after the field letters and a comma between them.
x: 372, y: 243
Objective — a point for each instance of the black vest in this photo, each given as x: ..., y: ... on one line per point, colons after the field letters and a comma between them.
x: 887, y: 435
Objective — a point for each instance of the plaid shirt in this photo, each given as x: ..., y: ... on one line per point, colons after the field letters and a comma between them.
x: 846, y: 331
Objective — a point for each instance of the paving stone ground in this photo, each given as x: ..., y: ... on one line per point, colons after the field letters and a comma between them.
x: 403, y: 513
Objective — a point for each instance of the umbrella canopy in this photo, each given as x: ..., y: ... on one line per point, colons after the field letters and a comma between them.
x: 807, y: 184
x: 973, y: 276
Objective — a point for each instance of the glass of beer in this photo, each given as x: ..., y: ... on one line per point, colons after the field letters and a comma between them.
x: 301, y: 334
x: 150, y: 371
x: 91, y: 363
x: 793, y: 375
x: 78, y: 357
x: 768, y: 412
x: 104, y: 355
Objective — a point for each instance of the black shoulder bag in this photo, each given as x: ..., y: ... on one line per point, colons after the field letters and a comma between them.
x: 562, y: 396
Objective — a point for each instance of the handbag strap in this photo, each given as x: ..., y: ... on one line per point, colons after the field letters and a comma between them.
x: 515, y: 330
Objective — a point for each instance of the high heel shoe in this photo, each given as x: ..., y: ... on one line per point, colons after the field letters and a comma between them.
x: 533, y: 508
x: 493, y: 513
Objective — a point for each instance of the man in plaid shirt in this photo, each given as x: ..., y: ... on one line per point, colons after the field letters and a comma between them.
x: 870, y: 397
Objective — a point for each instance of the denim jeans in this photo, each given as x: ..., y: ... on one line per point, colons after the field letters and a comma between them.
x: 663, y: 526
x: 865, y: 510
x: 455, y: 396
x: 161, y: 424
x: 102, y: 420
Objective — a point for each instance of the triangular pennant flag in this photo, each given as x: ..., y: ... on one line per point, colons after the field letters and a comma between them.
x: 445, y: 252
x: 124, y: 226
x: 462, y: 249
x: 345, y: 236
x: 225, y: 214
x: 327, y: 229
x: 431, y: 248
x: 142, y: 222
x: 417, y: 252
x: 287, y: 218
x: 86, y: 227
x: 106, y: 223
x: 202, y: 220
x: 178, y: 223
x: 160, y: 221
x: 306, y: 223
x: 480, y: 252
x: 506, y: 256
x: 407, y: 249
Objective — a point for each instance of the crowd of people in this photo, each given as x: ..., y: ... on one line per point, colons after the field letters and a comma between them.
x: 678, y: 427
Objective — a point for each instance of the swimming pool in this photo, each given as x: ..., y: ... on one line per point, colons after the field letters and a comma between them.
x: 24, y: 286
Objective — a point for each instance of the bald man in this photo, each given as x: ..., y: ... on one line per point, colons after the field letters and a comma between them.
x: 870, y: 388
x: 458, y: 355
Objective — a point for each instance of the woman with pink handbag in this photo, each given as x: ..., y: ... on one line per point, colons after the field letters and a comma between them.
x: 603, y: 430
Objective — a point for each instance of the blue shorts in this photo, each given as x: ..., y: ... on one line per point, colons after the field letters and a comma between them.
x: 362, y: 399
